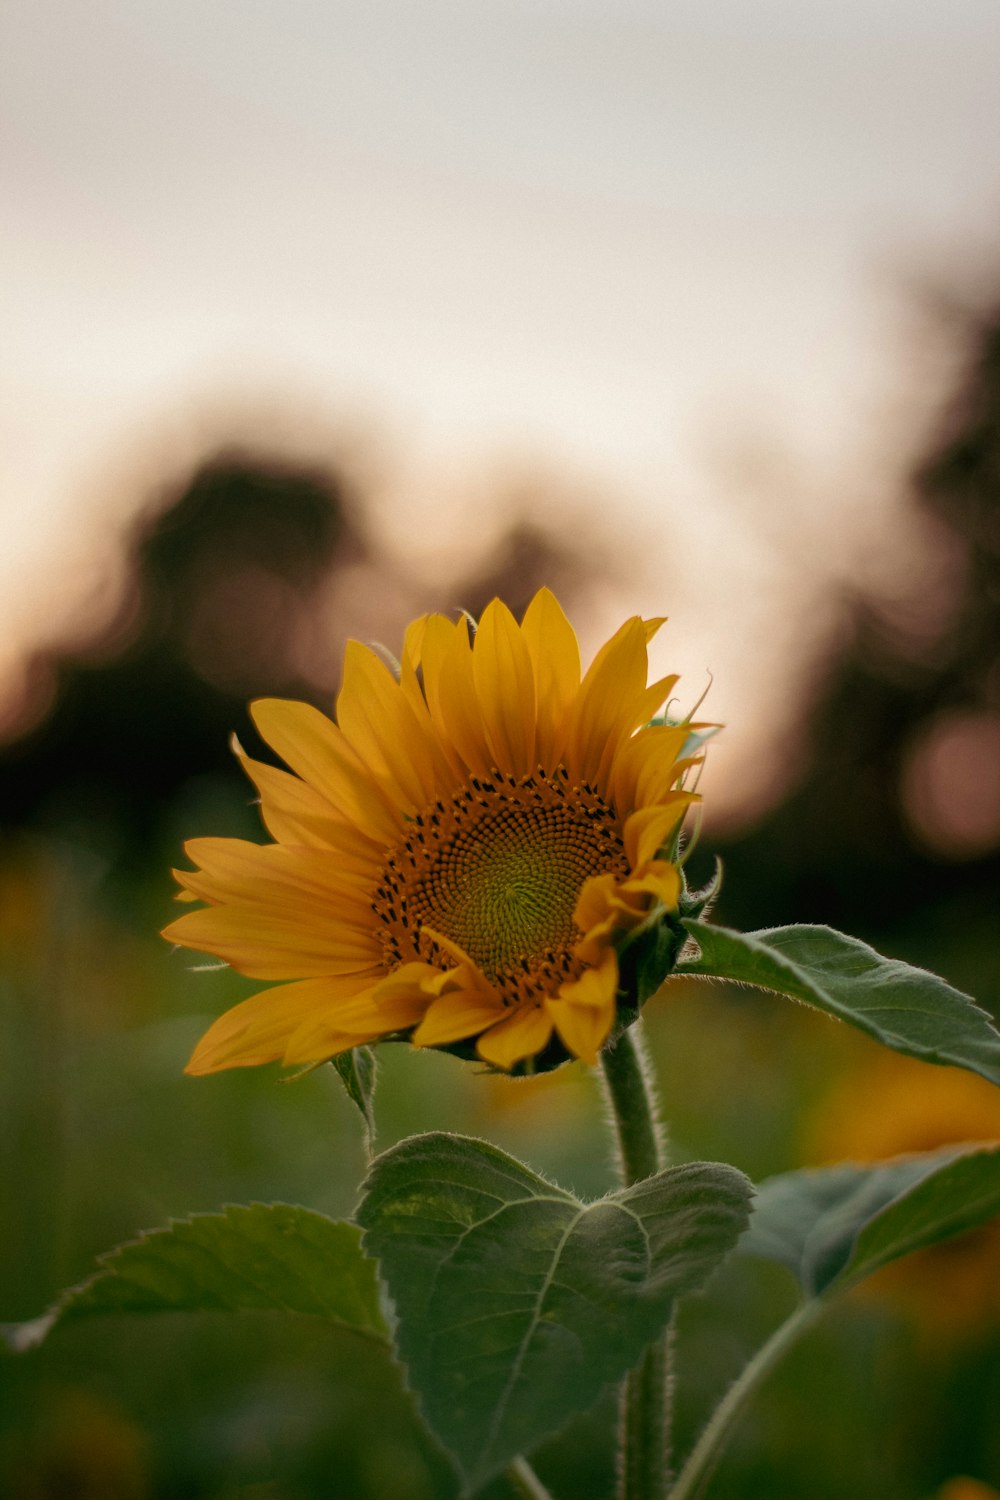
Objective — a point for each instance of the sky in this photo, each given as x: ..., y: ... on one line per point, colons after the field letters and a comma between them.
x: 664, y: 249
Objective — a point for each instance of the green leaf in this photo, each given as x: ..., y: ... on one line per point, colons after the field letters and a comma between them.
x: 265, y: 1257
x: 833, y: 1226
x: 356, y: 1070
x: 905, y: 1008
x: 961, y: 1195
x: 517, y: 1304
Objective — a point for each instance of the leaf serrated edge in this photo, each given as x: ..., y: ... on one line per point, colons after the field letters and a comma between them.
x: 20, y: 1337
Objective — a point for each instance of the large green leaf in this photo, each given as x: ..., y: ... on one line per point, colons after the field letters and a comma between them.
x: 833, y: 1226
x: 517, y: 1304
x: 266, y: 1257
x: 906, y: 1008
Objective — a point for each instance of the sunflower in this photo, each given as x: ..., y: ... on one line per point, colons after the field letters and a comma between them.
x: 459, y: 858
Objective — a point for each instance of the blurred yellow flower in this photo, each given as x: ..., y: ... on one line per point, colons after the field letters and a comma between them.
x: 967, y: 1489
x: 889, y: 1104
x: 457, y: 856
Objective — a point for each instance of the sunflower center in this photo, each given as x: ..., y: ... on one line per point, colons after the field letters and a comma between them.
x: 498, y: 871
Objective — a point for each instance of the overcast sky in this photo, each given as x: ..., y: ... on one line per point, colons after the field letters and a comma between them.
x: 634, y: 240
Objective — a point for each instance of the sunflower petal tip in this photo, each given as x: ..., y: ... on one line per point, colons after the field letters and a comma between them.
x: 199, y: 1064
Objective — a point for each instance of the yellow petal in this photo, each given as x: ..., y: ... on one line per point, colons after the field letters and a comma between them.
x: 423, y: 983
x: 315, y: 748
x: 414, y: 979
x: 644, y: 705
x: 605, y: 909
x: 450, y: 690
x: 292, y: 812
x: 234, y: 870
x: 326, y: 1044
x: 258, y: 1030
x: 451, y: 768
x: 413, y: 640
x: 595, y: 943
x: 595, y: 902
x: 605, y: 710
x: 584, y: 1011
x: 583, y: 1029
x: 285, y: 900
x: 555, y: 662
x: 505, y: 687
x: 473, y: 975
x: 660, y: 879
x: 363, y: 1019
x: 267, y: 946
x: 384, y: 731
x: 520, y: 1035
x: 610, y: 907
x: 654, y: 697
x: 454, y: 1016
x: 645, y: 768
x: 596, y: 986
x: 647, y: 830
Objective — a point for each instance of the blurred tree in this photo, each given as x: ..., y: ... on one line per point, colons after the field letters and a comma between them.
x: 894, y: 829
x: 223, y: 575
x: 526, y: 558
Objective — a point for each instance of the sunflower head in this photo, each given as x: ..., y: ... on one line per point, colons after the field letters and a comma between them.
x: 480, y: 853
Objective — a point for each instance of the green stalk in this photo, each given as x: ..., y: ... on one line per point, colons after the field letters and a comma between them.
x: 628, y: 1088
x: 706, y: 1453
x: 644, y: 1465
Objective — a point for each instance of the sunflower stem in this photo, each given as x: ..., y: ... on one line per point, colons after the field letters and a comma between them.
x: 644, y: 1429
x: 629, y: 1090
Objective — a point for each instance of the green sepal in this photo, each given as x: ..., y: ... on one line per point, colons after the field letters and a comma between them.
x: 646, y: 958
x: 696, y: 903
x: 357, y: 1071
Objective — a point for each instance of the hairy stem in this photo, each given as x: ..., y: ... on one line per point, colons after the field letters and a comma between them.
x: 645, y: 1411
x: 628, y: 1088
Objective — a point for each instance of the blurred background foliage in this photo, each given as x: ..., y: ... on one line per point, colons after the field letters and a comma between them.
x: 244, y: 581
